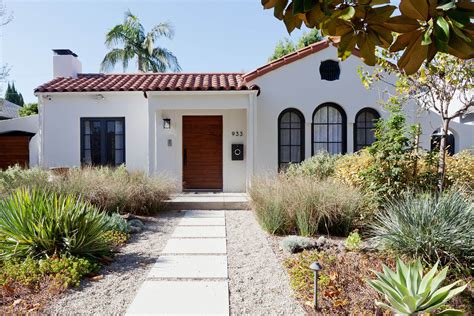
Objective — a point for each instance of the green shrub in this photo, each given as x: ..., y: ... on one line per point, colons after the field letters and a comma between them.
x: 66, y: 270
x: 37, y: 224
x: 304, y: 206
x: 319, y: 166
x: 115, y: 238
x: 460, y: 170
x: 353, y: 241
x: 428, y: 227
x: 409, y: 292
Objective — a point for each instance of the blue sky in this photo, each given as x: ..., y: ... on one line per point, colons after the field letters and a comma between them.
x: 211, y: 35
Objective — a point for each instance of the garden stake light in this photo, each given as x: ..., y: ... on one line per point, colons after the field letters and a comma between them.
x: 315, y: 267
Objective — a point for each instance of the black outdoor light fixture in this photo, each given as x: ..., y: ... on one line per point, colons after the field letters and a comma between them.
x: 166, y: 123
x: 315, y: 267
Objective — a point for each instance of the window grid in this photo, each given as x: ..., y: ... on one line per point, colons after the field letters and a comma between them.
x: 290, y: 137
x: 102, y: 141
x: 340, y: 133
x: 364, y: 128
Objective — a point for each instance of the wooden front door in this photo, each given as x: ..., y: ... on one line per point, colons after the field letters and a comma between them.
x: 202, y: 153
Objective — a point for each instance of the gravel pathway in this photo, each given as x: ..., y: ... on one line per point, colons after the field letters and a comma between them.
x: 113, y: 294
x: 258, y: 284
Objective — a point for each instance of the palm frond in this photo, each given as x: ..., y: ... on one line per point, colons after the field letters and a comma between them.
x: 112, y: 58
x: 163, y: 29
x: 166, y: 59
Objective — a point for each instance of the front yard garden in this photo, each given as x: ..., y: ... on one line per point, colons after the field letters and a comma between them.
x: 59, y: 227
x: 358, y: 214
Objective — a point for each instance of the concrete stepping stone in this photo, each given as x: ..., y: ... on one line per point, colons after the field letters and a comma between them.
x: 198, y: 231
x: 195, y: 246
x: 181, y: 297
x: 196, y: 221
x: 193, y: 266
x: 204, y: 214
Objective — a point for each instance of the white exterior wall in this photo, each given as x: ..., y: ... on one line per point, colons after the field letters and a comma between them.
x: 231, y: 106
x: 299, y: 85
x: 60, y: 116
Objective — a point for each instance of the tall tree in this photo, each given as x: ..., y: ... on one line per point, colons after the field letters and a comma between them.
x: 443, y: 86
x: 424, y: 27
x: 12, y: 95
x: 140, y: 46
x: 286, y: 46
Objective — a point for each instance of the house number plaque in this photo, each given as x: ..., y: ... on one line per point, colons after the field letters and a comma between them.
x: 237, y: 133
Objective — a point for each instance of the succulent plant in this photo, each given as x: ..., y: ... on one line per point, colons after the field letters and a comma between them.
x: 409, y: 292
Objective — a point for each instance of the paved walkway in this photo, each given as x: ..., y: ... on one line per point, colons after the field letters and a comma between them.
x: 190, y: 276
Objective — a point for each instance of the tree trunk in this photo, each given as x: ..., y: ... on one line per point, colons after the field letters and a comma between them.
x: 442, y: 154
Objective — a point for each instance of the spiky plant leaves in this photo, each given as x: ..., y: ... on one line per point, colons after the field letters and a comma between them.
x: 38, y: 224
x: 410, y: 292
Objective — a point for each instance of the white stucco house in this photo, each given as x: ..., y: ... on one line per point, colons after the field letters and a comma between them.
x: 214, y: 131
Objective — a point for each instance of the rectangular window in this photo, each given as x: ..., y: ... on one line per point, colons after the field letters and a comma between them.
x: 103, y: 141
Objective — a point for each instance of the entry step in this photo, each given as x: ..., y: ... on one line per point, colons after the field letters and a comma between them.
x: 208, y: 201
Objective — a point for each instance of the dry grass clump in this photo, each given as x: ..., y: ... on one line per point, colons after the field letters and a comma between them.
x: 116, y: 189
x: 303, y: 205
x: 111, y: 189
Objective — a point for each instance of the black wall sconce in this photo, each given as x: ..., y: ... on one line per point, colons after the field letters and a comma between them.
x: 166, y: 123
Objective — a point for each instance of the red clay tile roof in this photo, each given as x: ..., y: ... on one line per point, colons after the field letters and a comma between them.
x: 147, y: 82
x: 176, y: 81
x: 287, y: 59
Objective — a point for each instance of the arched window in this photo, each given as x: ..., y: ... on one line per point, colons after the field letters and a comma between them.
x: 364, y: 128
x: 436, y: 140
x: 290, y: 138
x: 329, y: 129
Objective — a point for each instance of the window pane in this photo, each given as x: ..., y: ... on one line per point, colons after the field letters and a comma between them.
x: 295, y: 118
x: 321, y: 115
x: 285, y: 137
x: 87, y: 127
x: 119, y: 127
x: 95, y: 143
x: 110, y: 127
x: 284, y: 153
x: 334, y: 115
x: 295, y: 154
x: 360, y: 137
x: 295, y: 137
x: 320, y: 133
x: 119, y: 142
x: 370, y: 137
x: 119, y: 157
x: 320, y: 147
x: 335, y: 133
x: 87, y: 142
x: 87, y: 159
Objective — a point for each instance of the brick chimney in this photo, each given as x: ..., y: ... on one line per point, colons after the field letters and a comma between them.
x: 65, y: 63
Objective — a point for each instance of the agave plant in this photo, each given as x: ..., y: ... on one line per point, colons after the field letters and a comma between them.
x: 34, y: 223
x: 409, y: 292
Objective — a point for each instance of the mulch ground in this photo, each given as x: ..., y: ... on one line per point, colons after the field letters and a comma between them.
x: 342, y: 287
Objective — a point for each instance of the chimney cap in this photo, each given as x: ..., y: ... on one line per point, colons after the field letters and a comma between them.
x: 64, y: 52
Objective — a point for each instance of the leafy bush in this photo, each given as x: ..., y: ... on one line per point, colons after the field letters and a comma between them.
x: 293, y: 244
x: 28, y: 109
x: 353, y: 241
x: 460, y: 170
x: 409, y: 292
x: 66, y: 270
x: 110, y: 189
x: 349, y: 168
x: 319, y: 166
x: 428, y: 227
x: 37, y: 224
x: 304, y: 206
x: 115, y: 238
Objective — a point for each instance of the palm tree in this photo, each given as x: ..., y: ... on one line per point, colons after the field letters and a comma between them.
x: 140, y: 46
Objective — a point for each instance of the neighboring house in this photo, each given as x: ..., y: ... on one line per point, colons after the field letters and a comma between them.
x: 8, y: 110
x: 215, y: 131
